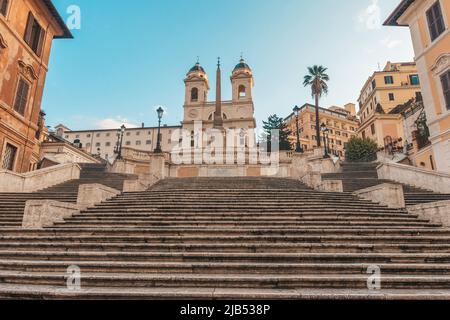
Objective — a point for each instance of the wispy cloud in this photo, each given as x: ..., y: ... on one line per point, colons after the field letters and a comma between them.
x: 390, y: 43
x: 112, y: 123
x: 370, y: 17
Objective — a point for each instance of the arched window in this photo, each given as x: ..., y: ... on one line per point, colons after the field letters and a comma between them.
x: 242, y: 91
x: 194, y: 94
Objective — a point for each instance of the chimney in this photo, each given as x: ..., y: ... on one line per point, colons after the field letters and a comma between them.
x: 143, y: 125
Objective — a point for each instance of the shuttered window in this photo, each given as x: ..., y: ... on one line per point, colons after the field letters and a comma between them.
x: 435, y: 21
x: 445, y: 79
x: 34, y: 35
x: 9, y: 157
x: 3, y: 7
x: 21, y: 96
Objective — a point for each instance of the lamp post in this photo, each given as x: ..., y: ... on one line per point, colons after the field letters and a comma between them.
x: 298, y: 149
x: 325, y: 130
x: 120, y: 134
x: 160, y: 113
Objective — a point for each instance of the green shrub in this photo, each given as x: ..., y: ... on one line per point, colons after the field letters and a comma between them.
x: 361, y: 150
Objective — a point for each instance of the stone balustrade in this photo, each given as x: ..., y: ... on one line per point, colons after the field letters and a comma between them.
x: 416, y: 177
x: 39, y: 179
x: 40, y: 214
x: 387, y: 194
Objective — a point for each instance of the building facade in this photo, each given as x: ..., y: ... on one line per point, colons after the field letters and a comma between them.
x: 27, y: 30
x: 235, y: 114
x: 341, y: 123
x: 429, y: 23
x: 383, y: 92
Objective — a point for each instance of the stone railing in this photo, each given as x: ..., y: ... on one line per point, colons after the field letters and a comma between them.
x: 40, y: 214
x: 416, y: 177
x: 39, y: 179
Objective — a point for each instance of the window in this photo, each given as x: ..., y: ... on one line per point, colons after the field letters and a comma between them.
x: 138, y: 143
x: 34, y: 35
x: 9, y: 158
x: 445, y: 79
x: 128, y: 143
x: 98, y: 144
x: 419, y: 96
x: 414, y: 80
x: 242, y: 91
x: 372, y: 128
x: 138, y: 133
x: 389, y: 80
x: 374, y: 84
x: 22, y: 96
x: 391, y: 97
x: 3, y: 7
x: 98, y: 135
x: 435, y: 21
x: 148, y: 142
x: 194, y: 94
x: 108, y: 144
x: 88, y: 145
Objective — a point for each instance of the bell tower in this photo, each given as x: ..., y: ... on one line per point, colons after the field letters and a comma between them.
x: 242, y: 82
x: 196, y: 86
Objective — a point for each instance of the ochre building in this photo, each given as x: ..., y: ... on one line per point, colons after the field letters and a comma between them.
x: 341, y: 123
x: 27, y: 29
x: 429, y: 23
x: 397, y: 84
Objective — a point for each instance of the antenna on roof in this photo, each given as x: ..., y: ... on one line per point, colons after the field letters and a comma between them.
x: 379, y: 67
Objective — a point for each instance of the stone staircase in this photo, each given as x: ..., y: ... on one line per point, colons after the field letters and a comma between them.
x: 12, y: 205
x: 229, y: 238
x: 356, y: 176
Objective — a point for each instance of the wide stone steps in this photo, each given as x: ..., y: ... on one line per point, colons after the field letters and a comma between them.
x: 253, y: 239
x: 261, y: 247
x: 360, y: 176
x: 228, y: 281
x: 222, y: 268
x: 12, y: 205
x: 193, y: 231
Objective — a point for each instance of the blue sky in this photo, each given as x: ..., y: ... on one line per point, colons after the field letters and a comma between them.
x: 127, y: 59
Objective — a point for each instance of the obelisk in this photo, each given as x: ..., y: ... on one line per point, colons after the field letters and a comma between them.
x: 218, y: 118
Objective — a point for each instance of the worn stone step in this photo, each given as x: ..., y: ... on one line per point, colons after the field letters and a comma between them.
x: 227, y: 281
x: 222, y: 268
x: 221, y: 247
x: 229, y: 257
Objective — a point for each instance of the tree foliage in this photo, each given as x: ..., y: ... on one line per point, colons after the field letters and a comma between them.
x: 361, y: 150
x: 276, y: 123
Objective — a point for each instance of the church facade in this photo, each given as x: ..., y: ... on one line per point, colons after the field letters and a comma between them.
x: 237, y: 114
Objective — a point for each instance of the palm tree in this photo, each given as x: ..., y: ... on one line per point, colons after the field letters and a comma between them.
x: 317, y: 79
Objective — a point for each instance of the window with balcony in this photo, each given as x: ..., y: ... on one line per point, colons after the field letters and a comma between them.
x: 445, y: 79
x: 34, y: 35
x: 435, y: 21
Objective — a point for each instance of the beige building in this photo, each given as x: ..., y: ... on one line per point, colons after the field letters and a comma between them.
x: 237, y: 113
x: 429, y: 23
x: 383, y: 91
x: 341, y: 122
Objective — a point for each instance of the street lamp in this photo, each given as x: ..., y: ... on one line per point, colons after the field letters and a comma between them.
x: 298, y: 149
x: 120, y: 134
x: 325, y: 131
x: 160, y: 113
